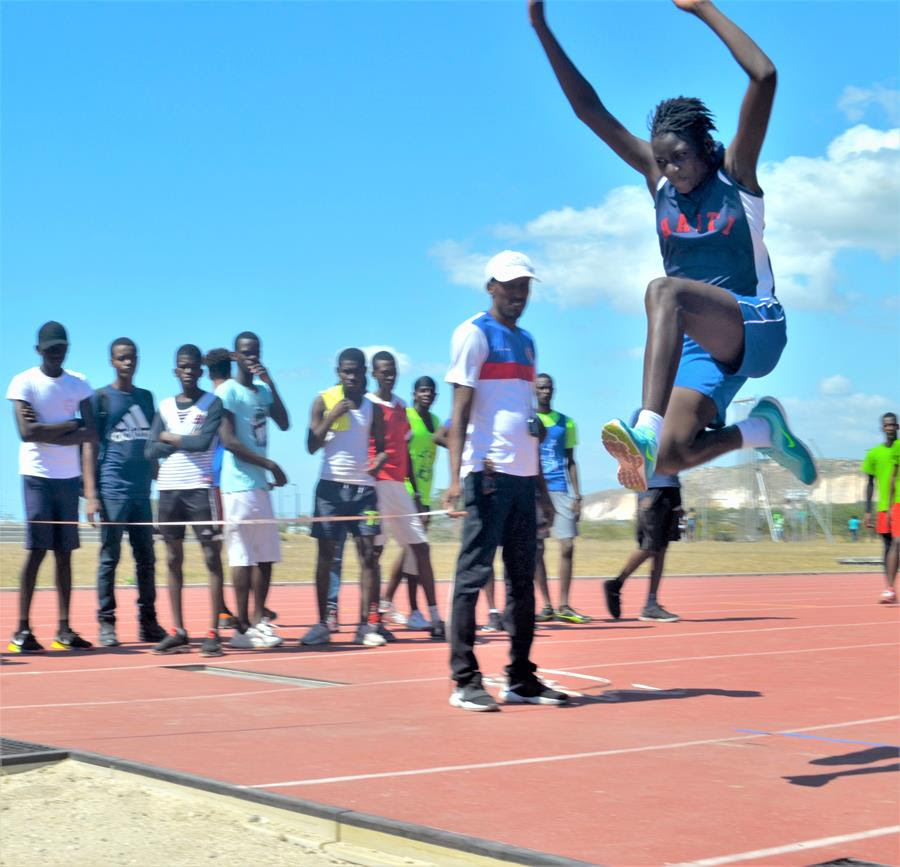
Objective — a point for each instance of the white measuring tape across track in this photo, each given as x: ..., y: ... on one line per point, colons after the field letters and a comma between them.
x: 373, y: 517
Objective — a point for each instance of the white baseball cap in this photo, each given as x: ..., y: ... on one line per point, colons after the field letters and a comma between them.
x: 507, y: 266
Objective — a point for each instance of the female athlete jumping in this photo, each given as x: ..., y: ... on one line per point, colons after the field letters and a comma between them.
x: 713, y: 320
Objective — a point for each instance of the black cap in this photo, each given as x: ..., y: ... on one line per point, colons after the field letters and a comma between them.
x: 52, y: 334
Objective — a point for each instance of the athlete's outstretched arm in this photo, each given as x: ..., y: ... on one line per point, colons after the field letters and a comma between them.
x: 742, y: 154
x: 587, y: 105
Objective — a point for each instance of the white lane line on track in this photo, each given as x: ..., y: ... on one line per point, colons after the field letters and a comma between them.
x: 793, y: 847
x: 313, y: 656
x: 601, y: 680
x: 380, y: 683
x: 546, y: 759
x: 730, y: 655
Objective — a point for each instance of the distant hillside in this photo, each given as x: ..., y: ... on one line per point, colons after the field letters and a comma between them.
x: 840, y: 481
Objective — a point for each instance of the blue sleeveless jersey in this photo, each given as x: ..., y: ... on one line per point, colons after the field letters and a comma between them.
x: 715, y: 234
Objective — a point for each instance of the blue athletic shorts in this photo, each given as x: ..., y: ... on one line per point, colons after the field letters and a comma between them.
x: 765, y: 337
x: 335, y: 499
x: 51, y: 500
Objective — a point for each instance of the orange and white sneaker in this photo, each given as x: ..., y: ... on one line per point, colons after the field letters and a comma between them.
x: 888, y: 596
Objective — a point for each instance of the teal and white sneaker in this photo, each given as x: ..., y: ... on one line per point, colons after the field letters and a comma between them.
x: 635, y: 448
x: 787, y: 449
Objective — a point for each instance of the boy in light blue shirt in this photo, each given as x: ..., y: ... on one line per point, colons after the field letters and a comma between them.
x: 249, y: 400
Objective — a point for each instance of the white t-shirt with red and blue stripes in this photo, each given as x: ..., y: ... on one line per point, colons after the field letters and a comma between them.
x: 499, y: 364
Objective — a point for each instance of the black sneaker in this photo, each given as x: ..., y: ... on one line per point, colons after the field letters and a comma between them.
x: 545, y: 615
x: 385, y: 633
x: 532, y: 692
x: 24, y: 641
x: 108, y: 636
x: 226, y: 620
x: 494, y: 624
x: 269, y: 614
x: 70, y: 640
x: 150, y: 631
x: 613, y: 591
x: 472, y: 697
x: 657, y: 612
x: 175, y: 642
x: 211, y: 646
x: 438, y: 631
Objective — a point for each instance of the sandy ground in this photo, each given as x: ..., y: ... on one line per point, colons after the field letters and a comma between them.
x: 85, y: 816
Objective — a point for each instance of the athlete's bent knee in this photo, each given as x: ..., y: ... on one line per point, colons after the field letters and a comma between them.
x: 661, y: 290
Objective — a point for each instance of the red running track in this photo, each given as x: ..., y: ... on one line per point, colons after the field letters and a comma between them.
x: 761, y: 729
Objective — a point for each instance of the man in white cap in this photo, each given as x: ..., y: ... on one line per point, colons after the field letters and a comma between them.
x: 493, y: 445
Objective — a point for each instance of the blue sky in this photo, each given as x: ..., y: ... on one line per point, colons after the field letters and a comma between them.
x: 334, y: 174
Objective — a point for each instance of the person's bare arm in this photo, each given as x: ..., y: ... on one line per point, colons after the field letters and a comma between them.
x: 277, y: 411
x: 463, y: 397
x: 587, y: 105
x: 870, y: 489
x: 572, y: 468
x: 742, y: 154
x: 89, y: 476
x: 320, y: 422
x: 231, y: 442
x: 440, y: 436
x: 33, y: 431
x: 377, y: 433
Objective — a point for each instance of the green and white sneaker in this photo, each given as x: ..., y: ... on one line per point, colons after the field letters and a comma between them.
x: 635, y: 448
x: 787, y: 449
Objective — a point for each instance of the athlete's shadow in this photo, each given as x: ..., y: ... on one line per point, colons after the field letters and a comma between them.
x: 620, y: 696
x: 729, y: 619
x: 860, y: 757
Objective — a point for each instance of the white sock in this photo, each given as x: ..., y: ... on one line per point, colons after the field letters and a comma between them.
x: 652, y: 420
x: 755, y: 433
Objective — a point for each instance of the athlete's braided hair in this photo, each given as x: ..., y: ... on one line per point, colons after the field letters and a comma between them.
x: 689, y: 119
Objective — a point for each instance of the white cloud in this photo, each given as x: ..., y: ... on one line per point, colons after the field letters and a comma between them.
x: 836, y: 384
x: 403, y: 361
x: 854, y: 101
x: 815, y: 208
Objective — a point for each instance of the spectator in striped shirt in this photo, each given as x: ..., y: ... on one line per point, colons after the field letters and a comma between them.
x: 184, y: 436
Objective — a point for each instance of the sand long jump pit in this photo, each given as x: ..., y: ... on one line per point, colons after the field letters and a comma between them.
x: 82, y: 810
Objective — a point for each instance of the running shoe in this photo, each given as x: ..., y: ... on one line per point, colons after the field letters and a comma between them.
x: 150, y: 631
x: 613, y: 592
x: 417, y: 620
x: 107, y: 637
x: 567, y: 614
x: 472, y: 697
x: 368, y: 635
x: 494, y: 624
x: 385, y: 633
x: 331, y: 618
x: 438, y: 631
x: 786, y: 448
x: 545, y: 615
x: 24, y: 641
x: 269, y: 633
x: 888, y: 596
x: 212, y: 645
x: 386, y: 609
x: 657, y: 612
x: 226, y: 620
x: 318, y: 634
x: 68, y: 639
x: 635, y: 448
x: 175, y: 642
x: 532, y: 691
x: 253, y: 638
